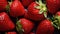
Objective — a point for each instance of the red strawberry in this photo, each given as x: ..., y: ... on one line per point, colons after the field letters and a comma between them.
x: 5, y: 22
x: 52, y: 5
x: 24, y: 26
x: 11, y: 33
x: 3, y: 5
x: 16, y: 7
x: 36, y: 11
x: 45, y: 27
x: 26, y: 3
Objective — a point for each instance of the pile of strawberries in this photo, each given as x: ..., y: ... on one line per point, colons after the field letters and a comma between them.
x: 29, y: 16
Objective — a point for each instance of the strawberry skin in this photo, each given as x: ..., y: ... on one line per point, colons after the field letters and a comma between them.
x: 52, y: 5
x: 26, y: 3
x: 11, y: 33
x: 16, y: 7
x: 5, y: 22
x: 45, y: 27
x: 3, y: 4
x: 27, y: 25
x: 34, y: 13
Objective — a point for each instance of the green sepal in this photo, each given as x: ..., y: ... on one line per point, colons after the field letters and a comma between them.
x: 45, y: 14
x: 19, y: 27
x: 8, y: 8
x: 56, y: 22
x: 10, y: 3
x: 42, y: 8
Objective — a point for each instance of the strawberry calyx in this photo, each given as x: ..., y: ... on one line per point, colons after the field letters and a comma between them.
x: 42, y: 7
x: 56, y: 22
x: 9, y: 3
x: 19, y: 27
x: 8, y: 8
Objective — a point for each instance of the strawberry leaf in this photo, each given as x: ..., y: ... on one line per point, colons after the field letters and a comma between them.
x: 19, y: 27
x: 45, y: 14
x: 8, y: 8
x: 56, y: 22
x: 42, y: 7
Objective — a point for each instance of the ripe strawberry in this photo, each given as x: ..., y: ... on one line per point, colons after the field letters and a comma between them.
x: 26, y: 3
x: 45, y: 27
x: 52, y: 5
x: 11, y: 33
x: 24, y: 26
x: 36, y: 11
x: 16, y: 7
x: 3, y: 5
x: 5, y: 22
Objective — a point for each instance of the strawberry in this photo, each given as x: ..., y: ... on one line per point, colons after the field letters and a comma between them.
x: 16, y: 7
x: 37, y: 11
x: 26, y: 3
x: 5, y: 22
x: 45, y: 27
x: 3, y: 5
x: 53, y: 6
x: 24, y: 26
x: 11, y: 33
